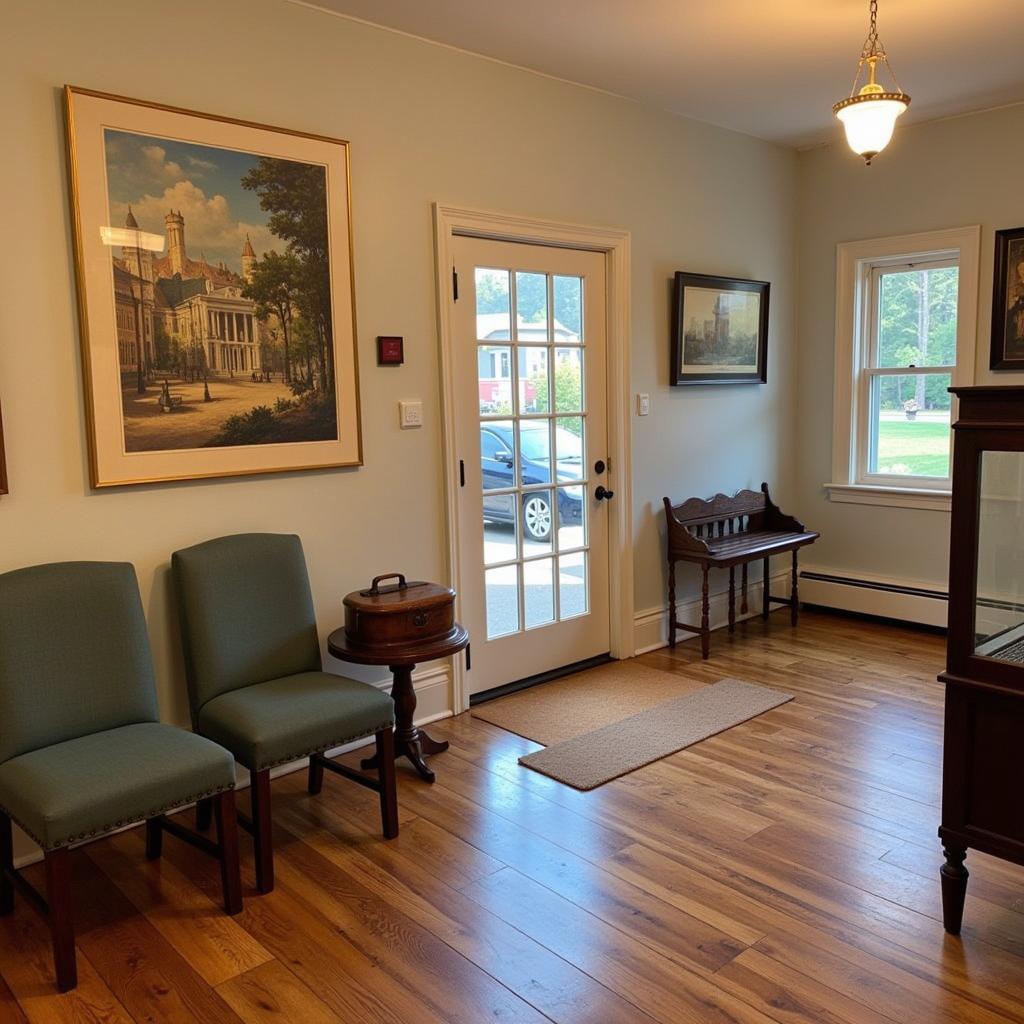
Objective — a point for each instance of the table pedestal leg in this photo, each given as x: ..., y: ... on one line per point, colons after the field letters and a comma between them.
x: 410, y: 742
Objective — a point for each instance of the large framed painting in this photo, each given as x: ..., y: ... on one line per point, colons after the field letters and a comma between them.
x: 1008, y: 301
x: 719, y: 330
x: 215, y: 287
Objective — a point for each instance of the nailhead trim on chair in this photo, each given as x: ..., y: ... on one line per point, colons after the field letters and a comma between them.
x: 117, y: 824
x: 317, y: 749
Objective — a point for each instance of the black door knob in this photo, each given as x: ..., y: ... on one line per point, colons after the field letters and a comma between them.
x: 602, y: 493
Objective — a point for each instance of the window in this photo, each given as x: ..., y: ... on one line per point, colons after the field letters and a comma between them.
x: 905, y: 321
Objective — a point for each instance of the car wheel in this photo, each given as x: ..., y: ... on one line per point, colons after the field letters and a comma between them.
x: 537, y: 516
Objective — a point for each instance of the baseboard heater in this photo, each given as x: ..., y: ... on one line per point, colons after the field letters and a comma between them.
x: 882, y: 598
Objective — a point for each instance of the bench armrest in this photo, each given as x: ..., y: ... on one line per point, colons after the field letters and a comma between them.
x: 679, y: 537
x: 776, y: 519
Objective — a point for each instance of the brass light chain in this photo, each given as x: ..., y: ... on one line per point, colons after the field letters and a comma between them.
x: 872, y: 52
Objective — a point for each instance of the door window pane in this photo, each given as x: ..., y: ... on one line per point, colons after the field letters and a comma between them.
x: 494, y: 379
x: 572, y: 585
x: 497, y: 458
x: 531, y: 307
x: 568, y: 325
x: 568, y: 374
x: 533, y: 380
x: 492, y: 305
x: 501, y: 528
x: 538, y: 522
x: 917, y: 317
x: 538, y: 592
x: 502, y: 594
x: 572, y: 517
x: 910, y: 425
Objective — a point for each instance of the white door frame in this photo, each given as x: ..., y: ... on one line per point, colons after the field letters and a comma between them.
x: 450, y: 221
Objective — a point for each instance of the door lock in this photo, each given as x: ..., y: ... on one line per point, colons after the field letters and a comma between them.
x: 603, y: 494
x: 599, y: 466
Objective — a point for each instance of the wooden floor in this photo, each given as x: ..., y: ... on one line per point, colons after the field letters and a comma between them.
x: 786, y: 870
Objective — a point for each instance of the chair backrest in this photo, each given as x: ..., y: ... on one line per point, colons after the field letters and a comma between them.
x: 246, y: 612
x: 74, y: 654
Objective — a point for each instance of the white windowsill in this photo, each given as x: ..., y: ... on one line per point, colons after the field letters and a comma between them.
x: 895, y: 497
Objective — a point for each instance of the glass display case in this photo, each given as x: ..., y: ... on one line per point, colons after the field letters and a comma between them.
x: 983, y: 752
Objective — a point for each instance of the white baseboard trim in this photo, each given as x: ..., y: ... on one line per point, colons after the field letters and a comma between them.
x: 433, y: 702
x: 650, y: 627
x: 871, y: 594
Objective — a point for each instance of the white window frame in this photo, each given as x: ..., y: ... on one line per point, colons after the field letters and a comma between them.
x: 858, y: 267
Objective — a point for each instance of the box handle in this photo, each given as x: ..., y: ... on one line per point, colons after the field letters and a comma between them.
x: 375, y: 585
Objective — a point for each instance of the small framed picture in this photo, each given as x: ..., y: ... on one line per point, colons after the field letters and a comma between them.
x: 390, y: 351
x: 1008, y: 301
x: 719, y: 330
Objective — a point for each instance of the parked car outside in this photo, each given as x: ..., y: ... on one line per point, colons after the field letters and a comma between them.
x: 497, y: 463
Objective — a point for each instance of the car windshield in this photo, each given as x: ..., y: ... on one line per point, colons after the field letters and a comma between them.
x: 534, y: 442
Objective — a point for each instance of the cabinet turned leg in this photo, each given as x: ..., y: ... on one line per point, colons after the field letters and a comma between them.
x: 671, y: 603
x: 732, y: 599
x: 705, y: 624
x: 954, y: 887
x: 766, y: 588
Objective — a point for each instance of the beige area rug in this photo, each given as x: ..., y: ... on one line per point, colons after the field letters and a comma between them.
x: 592, y: 736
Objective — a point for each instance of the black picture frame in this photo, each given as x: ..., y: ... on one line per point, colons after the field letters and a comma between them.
x: 1007, y: 350
x: 687, y: 305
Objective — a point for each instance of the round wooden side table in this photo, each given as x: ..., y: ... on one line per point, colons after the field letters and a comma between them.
x: 410, y: 741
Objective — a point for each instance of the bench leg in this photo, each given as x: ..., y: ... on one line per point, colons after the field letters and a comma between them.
x: 794, y: 608
x: 744, y: 608
x: 671, y: 603
x: 732, y: 598
x: 766, y: 605
x: 705, y: 627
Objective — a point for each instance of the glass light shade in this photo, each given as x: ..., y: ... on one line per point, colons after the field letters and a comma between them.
x: 869, y: 123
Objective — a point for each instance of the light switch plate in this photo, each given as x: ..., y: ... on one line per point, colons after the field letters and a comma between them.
x: 410, y: 414
x: 643, y: 405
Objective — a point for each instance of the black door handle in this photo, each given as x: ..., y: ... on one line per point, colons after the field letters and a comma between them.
x: 602, y: 493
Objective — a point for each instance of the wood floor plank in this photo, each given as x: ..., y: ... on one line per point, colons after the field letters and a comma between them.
x: 271, y: 994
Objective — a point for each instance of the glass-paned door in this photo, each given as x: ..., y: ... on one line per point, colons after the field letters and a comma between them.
x: 530, y: 379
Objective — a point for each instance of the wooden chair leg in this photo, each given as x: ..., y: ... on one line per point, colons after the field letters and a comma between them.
x: 6, y: 865
x: 316, y: 776
x: 204, y: 815
x: 732, y: 599
x: 388, y: 788
x: 154, y: 839
x: 744, y: 607
x: 794, y: 607
x: 62, y: 927
x: 705, y: 618
x: 766, y: 585
x: 227, y: 841
x: 262, y: 830
x: 671, y: 603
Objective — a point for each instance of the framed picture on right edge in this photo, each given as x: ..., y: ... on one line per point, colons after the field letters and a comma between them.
x: 719, y: 330
x: 3, y: 461
x: 1008, y: 301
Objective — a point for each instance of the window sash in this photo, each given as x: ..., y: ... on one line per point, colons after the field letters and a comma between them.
x: 868, y: 371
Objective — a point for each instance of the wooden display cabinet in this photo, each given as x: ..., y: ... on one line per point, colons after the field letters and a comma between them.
x: 983, y: 756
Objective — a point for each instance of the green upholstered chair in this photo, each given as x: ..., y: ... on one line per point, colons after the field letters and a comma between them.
x: 81, y: 750
x: 255, y: 677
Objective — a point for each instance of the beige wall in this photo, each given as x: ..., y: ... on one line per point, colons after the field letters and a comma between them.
x: 426, y: 123
x: 951, y: 173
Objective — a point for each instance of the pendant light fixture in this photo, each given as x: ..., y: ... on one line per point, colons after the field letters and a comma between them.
x: 869, y: 114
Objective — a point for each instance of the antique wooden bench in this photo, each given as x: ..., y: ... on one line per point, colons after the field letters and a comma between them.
x: 723, y: 532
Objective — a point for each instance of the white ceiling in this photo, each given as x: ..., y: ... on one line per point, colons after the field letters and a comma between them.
x: 768, y: 69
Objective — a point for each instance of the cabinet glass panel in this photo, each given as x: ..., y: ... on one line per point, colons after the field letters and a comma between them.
x: 999, y: 605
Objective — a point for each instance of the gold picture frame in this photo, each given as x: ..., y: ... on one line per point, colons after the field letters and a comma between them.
x: 3, y: 460
x: 216, y: 293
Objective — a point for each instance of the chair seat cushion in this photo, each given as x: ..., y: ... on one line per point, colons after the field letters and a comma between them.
x: 87, y: 786
x: 284, y: 719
